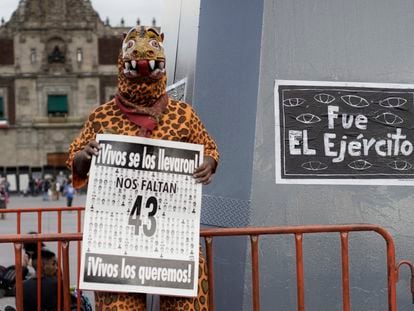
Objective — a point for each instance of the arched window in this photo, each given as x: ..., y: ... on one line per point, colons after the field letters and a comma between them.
x: 56, y: 50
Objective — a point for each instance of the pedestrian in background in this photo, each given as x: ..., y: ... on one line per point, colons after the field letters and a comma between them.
x: 54, y: 188
x: 3, y: 199
x: 45, y: 189
x: 69, y: 192
x: 49, y: 283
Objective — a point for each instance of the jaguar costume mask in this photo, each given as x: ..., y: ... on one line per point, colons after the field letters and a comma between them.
x: 142, y: 77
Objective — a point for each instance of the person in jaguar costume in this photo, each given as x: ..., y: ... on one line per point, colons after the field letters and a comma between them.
x: 142, y: 107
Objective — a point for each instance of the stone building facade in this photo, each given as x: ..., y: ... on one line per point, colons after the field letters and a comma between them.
x: 57, y: 62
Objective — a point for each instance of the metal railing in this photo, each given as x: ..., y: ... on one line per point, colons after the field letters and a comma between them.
x: 298, y: 232
x: 56, y: 236
x: 254, y: 233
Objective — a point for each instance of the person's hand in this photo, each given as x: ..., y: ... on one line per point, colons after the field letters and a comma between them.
x: 82, y: 159
x: 204, y: 173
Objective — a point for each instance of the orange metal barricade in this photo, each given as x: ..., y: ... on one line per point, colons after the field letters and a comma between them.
x: 54, y: 235
x: 298, y: 232
x: 254, y: 233
x: 64, y: 239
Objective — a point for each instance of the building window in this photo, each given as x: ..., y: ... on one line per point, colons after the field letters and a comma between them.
x: 108, y: 50
x: 57, y: 105
x: 6, y: 51
x: 33, y: 56
x: 2, y: 112
x: 79, y: 56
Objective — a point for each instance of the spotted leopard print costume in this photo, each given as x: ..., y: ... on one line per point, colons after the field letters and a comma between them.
x: 141, y: 92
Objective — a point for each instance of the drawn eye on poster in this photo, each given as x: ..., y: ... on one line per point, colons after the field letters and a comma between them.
x: 344, y: 133
x: 142, y: 217
x: 178, y: 90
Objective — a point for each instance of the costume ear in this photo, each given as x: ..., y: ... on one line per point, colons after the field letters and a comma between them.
x: 162, y: 37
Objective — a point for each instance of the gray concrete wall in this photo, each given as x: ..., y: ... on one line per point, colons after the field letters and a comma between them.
x: 225, y: 96
x: 336, y: 40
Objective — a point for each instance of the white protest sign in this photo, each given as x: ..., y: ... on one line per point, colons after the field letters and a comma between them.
x: 142, y: 217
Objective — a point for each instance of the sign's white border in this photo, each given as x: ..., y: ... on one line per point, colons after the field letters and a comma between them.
x: 136, y: 288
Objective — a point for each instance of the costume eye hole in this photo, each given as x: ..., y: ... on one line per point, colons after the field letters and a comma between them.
x: 392, y: 102
x: 355, y: 101
x: 314, y: 166
x: 324, y: 98
x: 129, y: 44
x: 293, y: 102
x: 360, y: 165
x: 155, y: 44
x: 308, y: 118
x: 400, y: 165
x: 389, y: 118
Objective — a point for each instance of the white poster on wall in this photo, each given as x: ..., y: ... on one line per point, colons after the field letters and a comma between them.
x: 24, y: 182
x: 12, y: 180
x: 142, y: 217
x: 344, y: 133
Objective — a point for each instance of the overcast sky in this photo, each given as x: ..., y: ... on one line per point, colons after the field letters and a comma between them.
x: 130, y: 10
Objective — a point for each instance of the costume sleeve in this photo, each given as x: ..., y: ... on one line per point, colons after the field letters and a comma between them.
x: 86, y: 135
x: 199, y: 135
